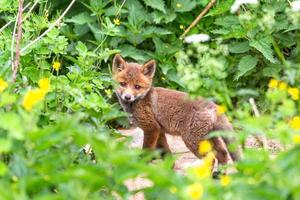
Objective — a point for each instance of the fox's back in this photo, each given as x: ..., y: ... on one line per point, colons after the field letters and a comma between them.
x: 176, y: 113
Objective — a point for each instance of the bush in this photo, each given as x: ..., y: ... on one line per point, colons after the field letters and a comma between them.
x: 63, y: 96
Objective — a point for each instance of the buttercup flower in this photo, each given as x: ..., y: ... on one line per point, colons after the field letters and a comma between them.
x: 56, y: 66
x: 117, y: 21
x: 204, y: 147
x: 296, y: 139
x: 33, y: 97
x: 44, y: 84
x: 282, y: 86
x: 195, y: 191
x: 3, y: 85
x: 273, y: 83
x: 295, y: 123
x: 181, y: 27
x: 204, y: 169
x: 225, y: 180
x: 221, y: 109
x: 294, y: 92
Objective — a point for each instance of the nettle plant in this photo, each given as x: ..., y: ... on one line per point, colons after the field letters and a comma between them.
x: 62, y: 98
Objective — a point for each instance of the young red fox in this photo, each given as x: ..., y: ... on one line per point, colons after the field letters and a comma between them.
x: 159, y: 111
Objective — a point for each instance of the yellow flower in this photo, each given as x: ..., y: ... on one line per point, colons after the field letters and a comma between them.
x: 181, y: 27
x: 294, y: 92
x: 209, y: 159
x: 56, y: 66
x: 44, y: 84
x: 3, y: 85
x: 204, y: 147
x: 117, y: 21
x: 221, y: 109
x: 296, y: 139
x: 225, y: 180
x: 32, y: 97
x: 178, y: 5
x: 273, y: 83
x: 295, y: 123
x: 282, y: 86
x: 195, y: 191
x: 204, y: 169
x: 173, y: 189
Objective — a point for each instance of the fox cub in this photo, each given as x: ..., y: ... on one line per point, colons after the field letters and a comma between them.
x: 158, y: 111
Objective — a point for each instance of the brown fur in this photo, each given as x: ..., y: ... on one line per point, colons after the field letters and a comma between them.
x: 158, y: 111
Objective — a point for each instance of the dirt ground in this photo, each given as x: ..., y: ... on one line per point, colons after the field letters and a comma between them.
x: 184, y: 157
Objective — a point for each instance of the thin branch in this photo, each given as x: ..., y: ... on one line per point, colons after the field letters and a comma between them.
x: 120, y: 8
x: 8, y: 23
x: 49, y: 29
x: 262, y: 139
x: 198, y: 18
x: 254, y: 107
x: 16, y: 62
x: 14, y: 31
x: 30, y: 10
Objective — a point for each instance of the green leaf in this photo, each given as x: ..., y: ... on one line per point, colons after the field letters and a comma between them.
x: 132, y: 52
x: 151, y: 31
x: 156, y: 4
x: 220, y: 8
x: 159, y: 17
x: 239, y: 47
x: 264, y: 46
x: 246, y: 64
x: 13, y: 124
x: 82, y: 18
x: 183, y: 5
x: 32, y: 73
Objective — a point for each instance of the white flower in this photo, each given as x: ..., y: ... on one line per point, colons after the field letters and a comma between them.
x: 196, y: 38
x: 296, y: 5
x: 236, y: 5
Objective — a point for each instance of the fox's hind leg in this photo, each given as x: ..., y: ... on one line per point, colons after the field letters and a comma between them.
x: 222, y: 124
x: 222, y: 154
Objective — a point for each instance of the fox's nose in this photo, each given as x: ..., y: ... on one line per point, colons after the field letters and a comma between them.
x: 127, y: 97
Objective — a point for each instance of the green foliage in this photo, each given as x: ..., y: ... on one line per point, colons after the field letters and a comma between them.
x: 41, y: 150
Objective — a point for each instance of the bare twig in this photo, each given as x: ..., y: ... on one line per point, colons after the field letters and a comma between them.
x: 30, y: 10
x: 15, y: 27
x: 18, y: 40
x: 261, y: 139
x: 50, y: 28
x: 8, y: 23
x: 195, y: 22
x: 120, y: 8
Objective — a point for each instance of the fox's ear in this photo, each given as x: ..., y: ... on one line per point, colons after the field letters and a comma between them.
x: 149, y: 68
x: 118, y: 63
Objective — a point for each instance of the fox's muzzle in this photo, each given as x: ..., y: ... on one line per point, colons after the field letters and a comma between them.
x: 127, y: 97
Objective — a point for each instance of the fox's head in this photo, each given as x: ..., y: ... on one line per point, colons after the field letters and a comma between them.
x: 134, y: 80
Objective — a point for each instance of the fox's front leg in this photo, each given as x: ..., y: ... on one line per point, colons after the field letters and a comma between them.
x: 150, y: 139
x: 162, y: 144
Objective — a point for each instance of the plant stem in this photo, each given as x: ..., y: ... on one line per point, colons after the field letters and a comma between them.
x: 16, y: 62
x: 198, y: 18
x: 50, y: 28
x: 278, y: 52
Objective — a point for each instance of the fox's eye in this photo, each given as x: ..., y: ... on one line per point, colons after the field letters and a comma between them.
x: 137, y: 87
x: 123, y: 84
